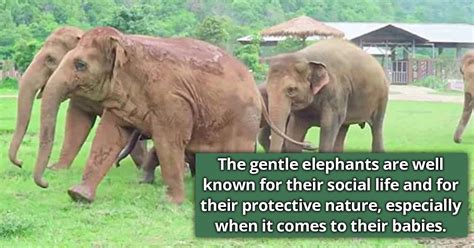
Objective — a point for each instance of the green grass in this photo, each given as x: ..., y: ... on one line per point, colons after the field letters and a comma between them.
x: 127, y: 214
x: 447, y: 92
x: 8, y: 92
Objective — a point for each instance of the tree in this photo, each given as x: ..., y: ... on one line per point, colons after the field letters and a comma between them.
x: 25, y: 52
x: 212, y: 29
x: 250, y: 55
x: 131, y: 20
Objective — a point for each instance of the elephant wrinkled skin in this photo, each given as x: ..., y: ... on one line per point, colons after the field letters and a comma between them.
x: 331, y: 84
x: 81, y: 113
x: 467, y: 70
x: 187, y: 95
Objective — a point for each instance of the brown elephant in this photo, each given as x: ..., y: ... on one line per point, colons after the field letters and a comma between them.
x: 467, y: 71
x: 81, y: 113
x: 187, y: 95
x: 331, y: 84
x: 151, y: 160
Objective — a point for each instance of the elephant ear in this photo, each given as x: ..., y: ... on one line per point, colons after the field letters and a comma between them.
x: 119, y: 55
x: 319, y: 76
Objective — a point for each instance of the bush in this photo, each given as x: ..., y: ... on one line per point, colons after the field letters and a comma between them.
x: 288, y: 45
x: 432, y: 82
x: 13, y: 225
x: 250, y: 55
x: 9, y: 83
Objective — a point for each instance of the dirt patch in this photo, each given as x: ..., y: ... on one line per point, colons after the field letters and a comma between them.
x: 416, y: 93
x: 449, y: 242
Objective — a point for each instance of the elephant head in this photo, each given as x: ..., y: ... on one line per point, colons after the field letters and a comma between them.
x: 86, y: 71
x: 467, y: 70
x: 292, y: 83
x: 35, y: 77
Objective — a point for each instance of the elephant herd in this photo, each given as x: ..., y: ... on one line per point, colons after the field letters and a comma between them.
x: 189, y: 96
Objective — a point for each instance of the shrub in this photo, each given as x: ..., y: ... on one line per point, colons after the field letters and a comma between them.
x: 250, y: 55
x: 432, y: 82
x: 9, y: 83
x: 288, y: 45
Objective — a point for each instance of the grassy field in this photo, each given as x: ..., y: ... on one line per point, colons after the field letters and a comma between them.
x: 127, y: 214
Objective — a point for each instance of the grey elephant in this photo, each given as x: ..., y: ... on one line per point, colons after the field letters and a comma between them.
x: 331, y: 84
x: 467, y: 70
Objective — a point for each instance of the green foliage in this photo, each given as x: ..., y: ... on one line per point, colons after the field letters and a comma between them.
x: 132, y: 20
x: 212, y: 29
x: 289, y: 45
x: 217, y: 21
x: 249, y: 54
x: 432, y: 82
x: 9, y: 83
x: 12, y: 224
x: 25, y: 50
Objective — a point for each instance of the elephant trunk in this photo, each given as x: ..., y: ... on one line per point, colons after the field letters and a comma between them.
x: 26, y: 96
x: 279, y: 110
x: 466, y: 115
x: 54, y: 92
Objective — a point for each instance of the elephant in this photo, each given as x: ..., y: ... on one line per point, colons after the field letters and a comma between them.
x: 467, y: 70
x: 330, y: 84
x: 187, y: 95
x: 151, y: 160
x: 81, y: 113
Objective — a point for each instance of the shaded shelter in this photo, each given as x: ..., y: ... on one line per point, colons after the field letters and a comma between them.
x: 302, y: 27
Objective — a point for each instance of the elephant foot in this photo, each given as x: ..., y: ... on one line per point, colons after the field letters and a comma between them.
x: 148, y: 178
x: 58, y: 166
x: 176, y: 198
x: 81, y: 193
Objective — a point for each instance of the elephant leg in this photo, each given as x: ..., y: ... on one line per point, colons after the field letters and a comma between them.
x: 139, y: 153
x: 264, y: 137
x: 149, y: 166
x: 377, y: 129
x: 171, y: 134
x: 340, y: 139
x: 296, y: 129
x: 109, y: 140
x: 331, y: 122
x: 171, y: 155
x: 466, y: 115
x: 78, y: 126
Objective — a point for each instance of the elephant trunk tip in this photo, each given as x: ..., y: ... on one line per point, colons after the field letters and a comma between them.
x: 41, y: 182
x: 14, y: 160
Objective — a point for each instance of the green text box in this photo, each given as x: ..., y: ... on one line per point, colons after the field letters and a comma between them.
x: 454, y: 169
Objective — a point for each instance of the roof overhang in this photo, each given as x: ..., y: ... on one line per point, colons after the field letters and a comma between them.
x: 390, y: 33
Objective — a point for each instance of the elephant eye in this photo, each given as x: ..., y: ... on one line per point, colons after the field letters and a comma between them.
x: 80, y: 65
x: 291, y: 91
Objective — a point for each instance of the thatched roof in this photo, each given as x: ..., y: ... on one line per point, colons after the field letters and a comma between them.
x: 303, y: 27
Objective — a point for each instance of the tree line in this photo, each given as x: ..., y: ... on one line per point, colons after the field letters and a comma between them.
x: 24, y: 24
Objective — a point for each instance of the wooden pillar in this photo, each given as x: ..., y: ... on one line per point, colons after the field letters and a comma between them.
x: 440, y: 51
x: 458, y: 51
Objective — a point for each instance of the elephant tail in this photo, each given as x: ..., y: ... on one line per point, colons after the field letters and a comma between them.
x: 305, y: 145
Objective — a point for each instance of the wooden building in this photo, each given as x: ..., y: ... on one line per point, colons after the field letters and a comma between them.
x: 395, y: 46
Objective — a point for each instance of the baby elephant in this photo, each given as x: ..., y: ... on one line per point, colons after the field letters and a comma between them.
x: 331, y: 84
